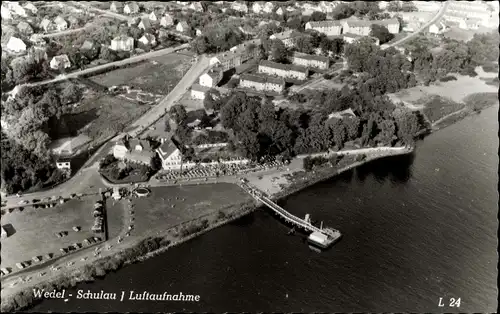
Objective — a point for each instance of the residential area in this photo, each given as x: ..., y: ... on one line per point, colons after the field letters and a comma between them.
x: 121, y: 120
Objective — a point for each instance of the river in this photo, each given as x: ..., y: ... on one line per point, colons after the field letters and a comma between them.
x: 416, y: 229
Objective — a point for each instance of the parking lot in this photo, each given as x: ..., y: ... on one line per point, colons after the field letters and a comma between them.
x: 35, y: 234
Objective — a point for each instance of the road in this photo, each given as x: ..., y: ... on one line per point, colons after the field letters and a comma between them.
x: 134, y: 59
x: 439, y: 15
x: 105, y: 12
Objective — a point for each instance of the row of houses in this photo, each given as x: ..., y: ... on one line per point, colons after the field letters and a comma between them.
x: 283, y: 70
x: 352, y: 26
x: 262, y: 82
x: 236, y: 55
x: 58, y: 24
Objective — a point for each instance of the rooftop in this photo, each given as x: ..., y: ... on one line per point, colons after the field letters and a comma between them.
x: 260, y: 78
x: 199, y: 88
x: 286, y: 67
x: 325, y: 24
x: 310, y: 57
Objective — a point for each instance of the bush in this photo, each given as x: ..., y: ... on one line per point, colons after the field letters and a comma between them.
x: 448, y: 78
x: 490, y: 67
x: 327, y: 76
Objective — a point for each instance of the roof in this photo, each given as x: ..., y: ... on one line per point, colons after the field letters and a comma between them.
x: 287, y: 34
x: 320, y: 24
x: 167, y: 148
x: 183, y: 24
x: 59, y: 20
x: 364, y: 23
x: 146, y: 22
x: 23, y: 26
x: 122, y: 38
x: 310, y: 57
x: 45, y: 23
x: 199, y: 88
x: 140, y: 156
x: 61, y: 58
x: 213, y: 72
x: 260, y: 78
x: 286, y: 67
x: 87, y: 45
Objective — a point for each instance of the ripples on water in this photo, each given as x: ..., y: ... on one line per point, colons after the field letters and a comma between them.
x: 416, y: 228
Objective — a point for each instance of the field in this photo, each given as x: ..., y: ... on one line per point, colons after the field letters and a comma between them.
x: 34, y: 230
x: 69, y: 144
x: 157, y: 75
x: 465, y: 34
x: 155, y: 212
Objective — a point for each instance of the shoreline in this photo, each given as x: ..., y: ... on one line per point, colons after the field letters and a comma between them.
x: 173, y: 237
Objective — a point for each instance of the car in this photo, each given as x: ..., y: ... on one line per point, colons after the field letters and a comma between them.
x: 23, y: 202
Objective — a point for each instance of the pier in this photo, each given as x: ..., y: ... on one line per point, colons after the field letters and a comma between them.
x: 301, y: 223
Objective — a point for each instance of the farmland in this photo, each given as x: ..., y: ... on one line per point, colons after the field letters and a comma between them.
x: 34, y: 230
x: 158, y: 75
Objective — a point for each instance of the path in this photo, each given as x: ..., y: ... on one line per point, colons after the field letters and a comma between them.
x: 105, y: 12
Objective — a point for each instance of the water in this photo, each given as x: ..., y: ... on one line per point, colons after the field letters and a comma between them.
x: 416, y: 229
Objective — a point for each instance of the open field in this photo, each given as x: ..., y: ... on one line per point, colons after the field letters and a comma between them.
x: 69, y: 144
x: 35, y: 230
x: 155, y: 212
x: 157, y: 75
x: 465, y: 34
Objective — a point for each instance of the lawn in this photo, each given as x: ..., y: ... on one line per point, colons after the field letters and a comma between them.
x: 155, y: 212
x: 436, y: 107
x: 157, y: 75
x: 35, y: 230
x: 104, y: 116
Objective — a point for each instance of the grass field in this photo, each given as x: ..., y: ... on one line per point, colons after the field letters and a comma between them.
x: 436, y: 107
x: 35, y: 230
x: 155, y: 212
x: 157, y: 75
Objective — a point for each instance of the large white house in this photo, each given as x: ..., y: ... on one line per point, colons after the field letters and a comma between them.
x: 122, y: 43
x: 212, y: 77
x: 198, y: 91
x: 170, y: 155
x: 133, y: 150
x: 283, y: 70
x: 60, y: 62
x: 262, y: 82
x: 329, y: 28
x: 166, y: 20
x: 311, y: 61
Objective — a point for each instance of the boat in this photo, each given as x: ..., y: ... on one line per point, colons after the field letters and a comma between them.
x: 325, y: 238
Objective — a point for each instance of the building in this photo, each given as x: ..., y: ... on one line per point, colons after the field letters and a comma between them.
x: 329, y: 28
x: 227, y: 60
x: 262, y: 82
x: 212, y: 77
x: 240, y: 7
x: 182, y: 27
x: 268, y: 7
x: 287, y: 37
x: 196, y: 6
x: 63, y: 164
x: 437, y: 28
x: 148, y: 40
x: 60, y: 62
x: 311, y: 61
x: 257, y: 7
x: 30, y: 7
x: 133, y: 150
x: 198, y: 91
x: 131, y: 8
x: 280, y: 11
x: 24, y: 28
x: 363, y: 28
x: 350, y: 38
x: 152, y: 17
x: 469, y: 9
x: 87, y: 45
x: 16, y: 45
x: 116, y: 6
x: 166, y: 20
x: 144, y: 24
x: 170, y: 154
x: 6, y: 15
x: 471, y: 23
x: 122, y: 43
x: 47, y: 25
x: 60, y: 23
x: 198, y: 32
x: 283, y: 70
x: 348, y: 113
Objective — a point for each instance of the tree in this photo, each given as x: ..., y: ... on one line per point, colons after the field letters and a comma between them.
x: 200, y: 45
x: 167, y: 127
x: 278, y: 51
x: 303, y: 44
x: 318, y: 16
x: 212, y: 100
x: 342, y: 11
x: 407, y: 126
x: 178, y: 113
x: 381, y: 32
x: 71, y: 94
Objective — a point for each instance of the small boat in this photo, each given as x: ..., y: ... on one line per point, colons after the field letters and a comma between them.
x: 325, y: 238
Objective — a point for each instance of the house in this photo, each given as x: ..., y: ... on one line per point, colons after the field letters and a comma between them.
x: 212, y: 77
x: 290, y: 8
x: 24, y: 28
x: 196, y: 6
x: 60, y: 23
x: 87, y: 45
x: 469, y: 9
x: 470, y: 23
x: 257, y: 7
x: 131, y: 8
x: 47, y: 25
x: 350, y: 38
x: 6, y: 15
x: 280, y: 11
x: 116, y: 6
x: 437, y: 28
x: 152, y: 17
x: 262, y: 82
x: 144, y: 24
x: 122, y: 43
x: 170, y: 154
x: 287, y: 37
x: 283, y: 70
x: 60, y: 62
x: 133, y: 21
x: 166, y: 20
x: 30, y: 7
x: 148, y: 40
x: 133, y: 150
x: 198, y: 32
x: 227, y: 60
x: 16, y: 45
x: 363, y: 28
x: 329, y: 28
x: 182, y: 27
x: 268, y: 7
x: 198, y: 91
x: 240, y: 7
x: 311, y: 61
x: 63, y: 164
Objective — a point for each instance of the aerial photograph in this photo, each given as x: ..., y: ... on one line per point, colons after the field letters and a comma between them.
x: 249, y: 156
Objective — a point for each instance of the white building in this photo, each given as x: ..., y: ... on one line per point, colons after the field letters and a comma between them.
x: 311, y: 61
x: 63, y: 164
x: 122, y: 43
x: 196, y: 6
x: 283, y: 70
x: 268, y: 7
x: 60, y: 23
x: 116, y: 6
x: 240, y: 7
x: 437, y: 28
x: 287, y: 37
x: 16, y: 45
x: 182, y: 27
x: 148, y: 40
x: 262, y: 82
x: 166, y: 20
x: 131, y: 8
x: 170, y: 155
x: 198, y: 91
x: 329, y: 28
x: 211, y: 78
x: 60, y: 62
x: 256, y: 7
x: 30, y: 7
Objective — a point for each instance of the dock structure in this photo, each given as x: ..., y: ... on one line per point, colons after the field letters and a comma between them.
x: 302, y: 223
